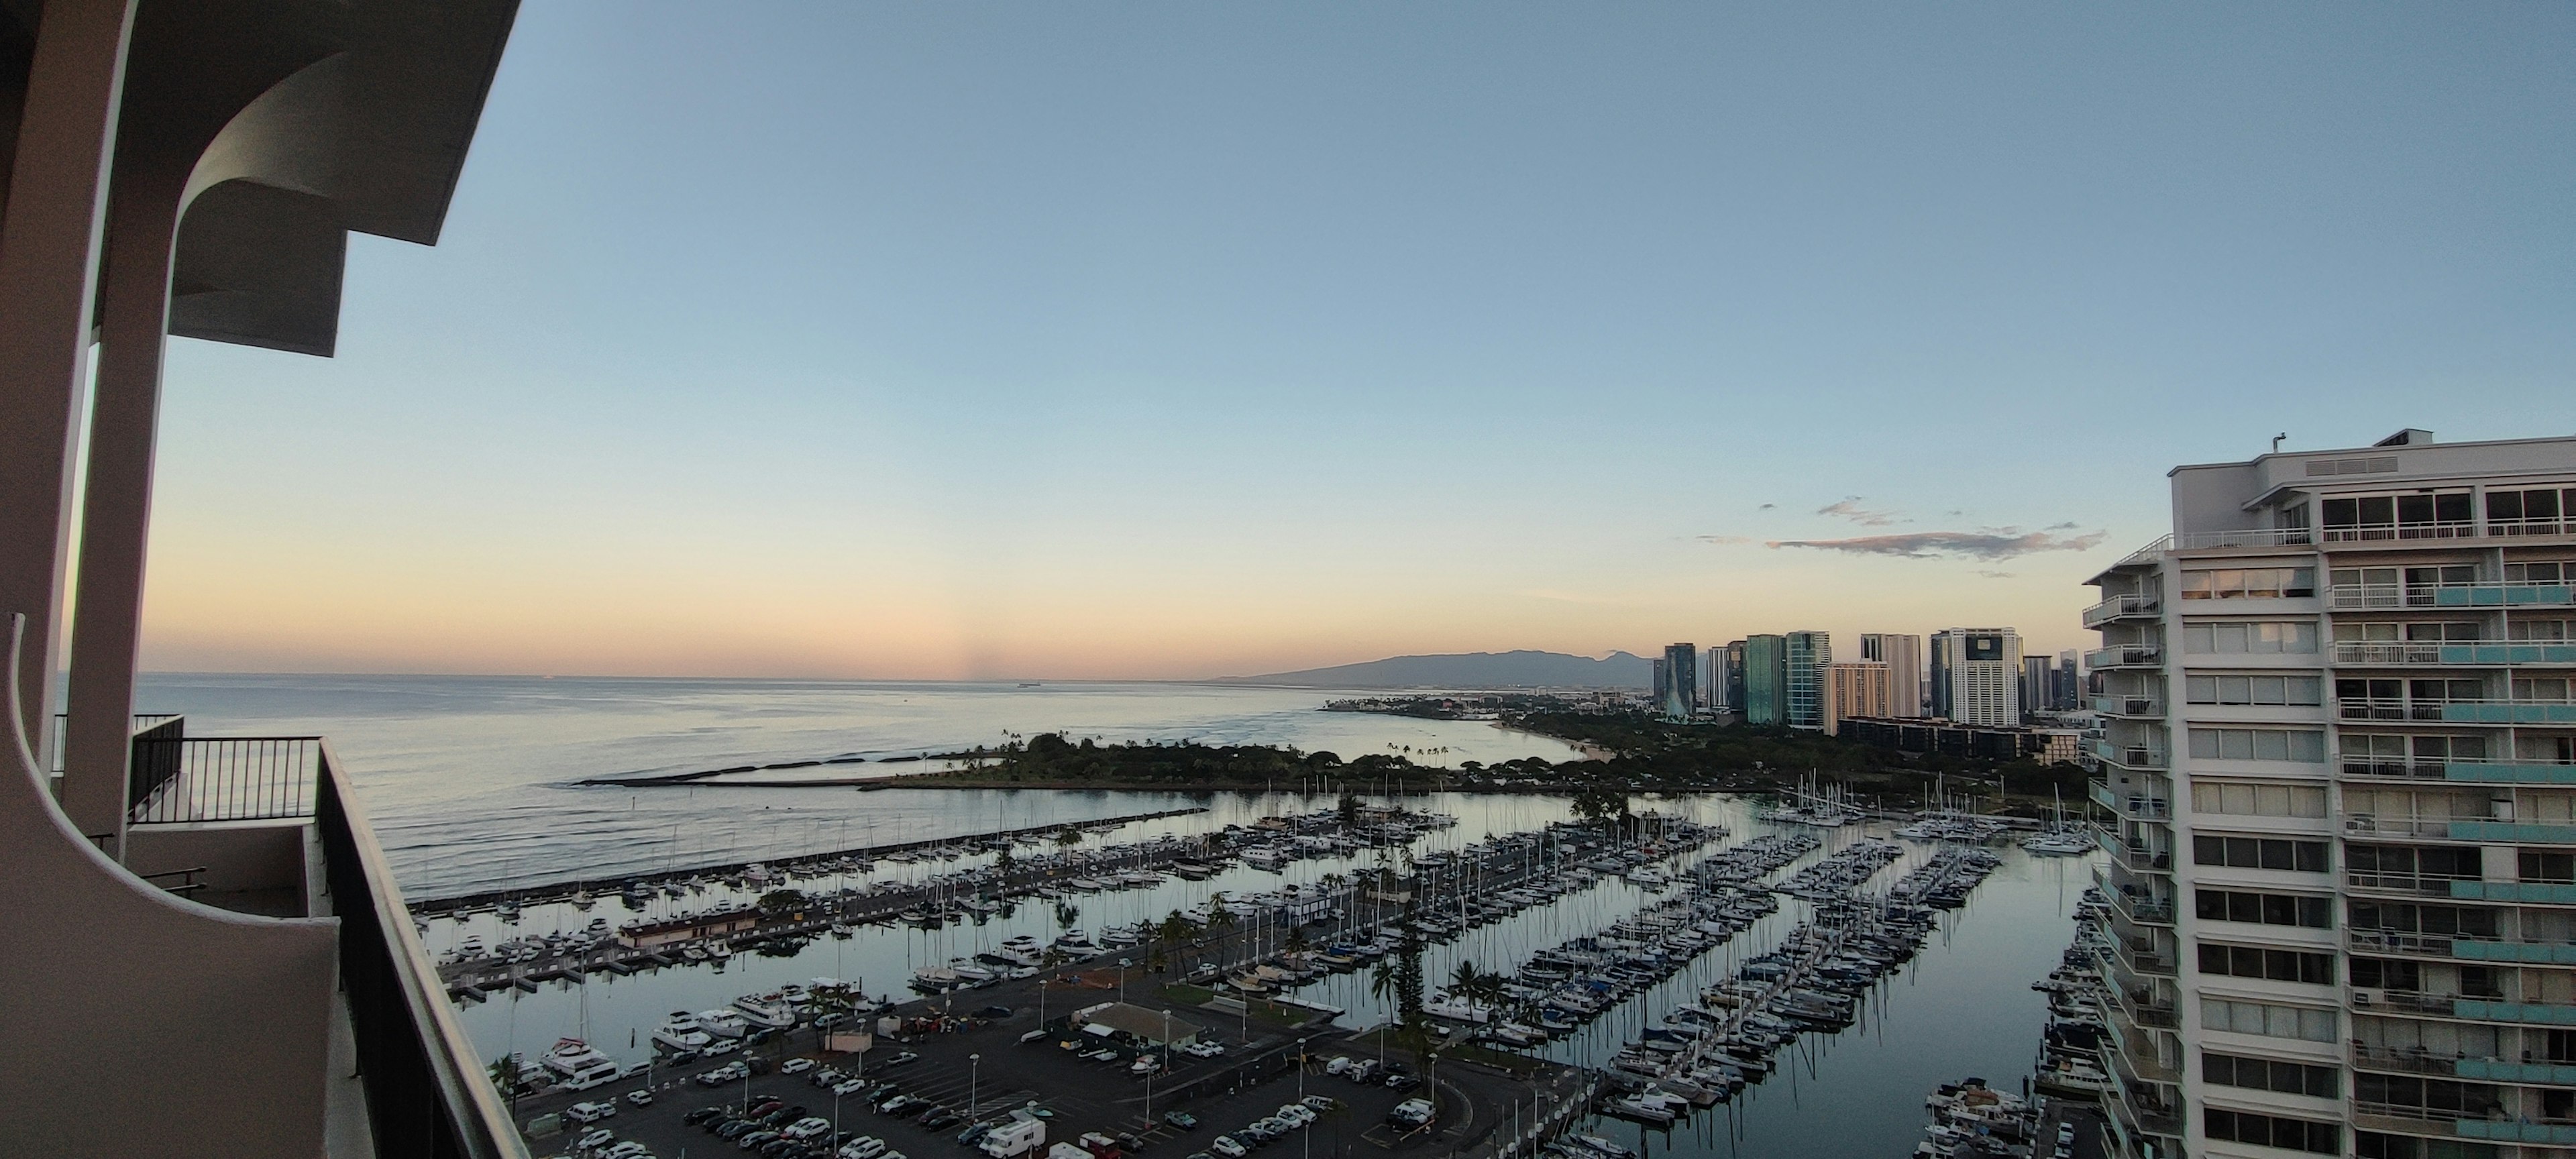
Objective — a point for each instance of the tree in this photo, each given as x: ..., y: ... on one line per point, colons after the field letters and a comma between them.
x: 1599, y: 803
x: 1349, y: 807
x: 1071, y: 836
x: 782, y: 900
x: 1220, y: 920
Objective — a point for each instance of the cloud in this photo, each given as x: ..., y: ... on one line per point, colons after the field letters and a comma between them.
x: 2060, y: 527
x: 1766, y: 507
x: 1725, y: 539
x: 1989, y: 574
x: 1851, y: 509
x: 1992, y: 544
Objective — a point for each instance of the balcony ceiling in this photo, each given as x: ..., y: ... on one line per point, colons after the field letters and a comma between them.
x: 281, y: 126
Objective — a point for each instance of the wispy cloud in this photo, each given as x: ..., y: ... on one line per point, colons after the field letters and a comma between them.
x: 1992, y: 574
x: 1725, y: 539
x: 1992, y: 544
x: 1851, y: 509
x: 1766, y: 507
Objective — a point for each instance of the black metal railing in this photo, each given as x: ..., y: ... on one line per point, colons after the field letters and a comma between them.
x: 427, y: 1097
x: 180, y: 779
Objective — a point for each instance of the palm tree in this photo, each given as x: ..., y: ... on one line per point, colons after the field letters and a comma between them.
x: 1221, y: 920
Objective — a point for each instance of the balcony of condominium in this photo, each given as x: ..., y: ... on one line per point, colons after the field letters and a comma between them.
x: 222, y: 962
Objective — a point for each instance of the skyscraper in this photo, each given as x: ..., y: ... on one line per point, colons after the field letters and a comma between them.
x: 1854, y: 689
x: 2035, y: 680
x: 1903, y: 656
x: 1663, y: 684
x: 1734, y: 682
x: 1681, y: 681
x: 1976, y: 675
x: 1766, y: 680
x: 2346, y: 927
x: 2065, y: 684
x: 1803, y: 653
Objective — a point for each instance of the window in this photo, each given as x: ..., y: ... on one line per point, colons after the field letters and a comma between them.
x: 2273, y: 1131
x: 2249, y: 583
x: 2541, y: 572
x: 2250, y: 799
x: 2411, y: 866
x: 2255, y: 638
x: 2260, y: 853
x: 2264, y: 909
x: 2373, y: 1146
x: 2258, y: 744
x: 2269, y: 1074
x: 2530, y: 512
x: 2452, y: 1100
x: 2284, y: 690
x: 2550, y: 689
x: 2441, y: 921
x: 2387, y: 974
x: 2416, y: 515
x: 2541, y: 631
x: 2268, y: 1019
x: 2269, y: 965
x: 2540, y: 865
x: 2394, y: 748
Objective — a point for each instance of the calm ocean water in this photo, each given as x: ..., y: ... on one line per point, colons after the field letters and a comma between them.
x: 469, y: 783
x: 470, y: 780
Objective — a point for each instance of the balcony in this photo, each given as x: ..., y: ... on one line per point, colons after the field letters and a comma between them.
x: 2143, y: 911
x: 270, y: 827
x: 2385, y: 942
x: 2561, y: 1133
x: 2475, y: 1068
x: 2358, y: 597
x: 2125, y: 656
x: 2465, y: 771
x: 2127, y: 756
x: 2405, y: 1060
x: 2482, y: 831
x: 2480, y: 653
x: 2245, y: 537
x: 2143, y: 960
x: 2137, y: 706
x: 2478, y: 711
x: 2516, y: 892
x: 2119, y: 607
x: 2408, y: 884
x: 2136, y: 859
x: 2133, y: 805
x: 2498, y: 1010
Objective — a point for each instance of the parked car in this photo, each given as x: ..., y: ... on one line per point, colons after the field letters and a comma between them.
x: 974, y: 1133
x: 765, y: 1106
x: 1226, y: 1146
x: 898, y: 1106
x: 1320, y: 1103
x: 902, y: 1058
x: 847, y: 1087
x: 595, y: 1139
x: 1297, y: 1114
x: 1402, y: 1082
x: 940, y: 1119
x: 756, y: 1140
x: 629, y: 1149
x: 639, y: 1098
x: 994, y: 1012
x: 796, y: 1066
x: 807, y: 1128
x: 587, y: 1113
x: 1182, y: 1119
x: 1204, y: 1049
x: 732, y: 1129
x: 863, y: 1147
x: 703, y: 1115
x: 1341, y: 1064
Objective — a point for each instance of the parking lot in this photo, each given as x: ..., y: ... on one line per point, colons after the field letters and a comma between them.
x: 984, y: 1072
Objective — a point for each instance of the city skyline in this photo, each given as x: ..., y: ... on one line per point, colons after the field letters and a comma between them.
x: 923, y: 344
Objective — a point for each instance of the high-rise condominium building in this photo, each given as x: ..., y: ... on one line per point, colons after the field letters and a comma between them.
x: 1854, y: 689
x: 1903, y: 656
x: 1681, y: 682
x: 1803, y: 653
x: 1766, y: 680
x: 2341, y: 754
x: 1976, y: 676
x: 1733, y: 684
x: 1662, y: 683
x: 2036, y: 677
x: 2065, y: 684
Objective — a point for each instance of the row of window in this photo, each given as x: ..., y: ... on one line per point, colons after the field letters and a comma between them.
x: 2371, y: 1145
x: 2259, y: 744
x: 2389, y: 746
x: 2249, y: 583
x: 2441, y: 921
x: 2269, y: 909
x: 2272, y: 1131
x: 2269, y: 1074
x: 2259, y: 638
x: 2453, y: 1100
x: 2299, y: 691
x: 2262, y: 853
x: 2268, y: 1019
x: 2245, y: 799
x: 2268, y: 965
x: 2410, y: 863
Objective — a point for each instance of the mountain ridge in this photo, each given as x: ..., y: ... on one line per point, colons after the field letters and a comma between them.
x: 1520, y: 668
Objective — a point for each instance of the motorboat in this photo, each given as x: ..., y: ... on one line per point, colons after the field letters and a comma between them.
x: 681, y: 1032
x: 577, y: 1065
x: 723, y: 1023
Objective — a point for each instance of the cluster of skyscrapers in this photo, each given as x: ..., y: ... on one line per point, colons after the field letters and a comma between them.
x: 1976, y: 676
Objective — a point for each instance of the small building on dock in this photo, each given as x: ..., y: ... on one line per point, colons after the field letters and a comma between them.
x: 647, y: 935
x: 1122, y: 1020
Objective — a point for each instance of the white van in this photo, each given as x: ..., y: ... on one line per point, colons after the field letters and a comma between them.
x: 1017, y: 1137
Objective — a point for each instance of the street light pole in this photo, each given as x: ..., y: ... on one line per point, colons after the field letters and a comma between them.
x: 974, y: 1078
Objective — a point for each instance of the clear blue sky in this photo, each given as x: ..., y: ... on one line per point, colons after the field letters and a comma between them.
x: 1191, y: 339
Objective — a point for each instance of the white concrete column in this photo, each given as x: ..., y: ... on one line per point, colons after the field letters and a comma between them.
x: 49, y: 241
x: 116, y: 500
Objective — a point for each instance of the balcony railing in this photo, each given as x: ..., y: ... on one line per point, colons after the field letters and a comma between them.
x: 2475, y: 594
x: 2420, y: 885
x: 2137, y: 805
x: 2139, y: 960
x: 2133, y: 858
x: 2460, y: 946
x: 2377, y: 532
x: 2123, y: 656
x: 2142, y: 910
x: 2471, y: 771
x: 2129, y: 705
x: 2117, y: 607
x: 427, y: 1097
x: 185, y: 779
x: 2406, y: 1060
x: 2482, y: 830
x: 2478, y: 710
x: 2247, y: 537
x: 2544, y: 525
x: 2134, y: 756
x: 2483, y: 653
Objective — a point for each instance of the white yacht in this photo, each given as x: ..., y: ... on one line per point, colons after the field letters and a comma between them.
x: 767, y: 1010
x: 723, y: 1023
x: 1078, y: 942
x: 577, y: 1065
x: 681, y: 1032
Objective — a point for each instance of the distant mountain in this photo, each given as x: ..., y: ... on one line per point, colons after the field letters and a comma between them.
x: 1521, y: 669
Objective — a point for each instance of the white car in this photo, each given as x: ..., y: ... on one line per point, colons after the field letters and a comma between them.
x: 1226, y: 1146
x: 863, y: 1147
x: 595, y: 1139
x: 629, y: 1149
x: 796, y: 1066
x: 1212, y: 1050
x: 1297, y: 1113
x: 1340, y: 1064
x: 807, y: 1128
x: 639, y: 1098
x: 586, y: 1113
x: 848, y: 1087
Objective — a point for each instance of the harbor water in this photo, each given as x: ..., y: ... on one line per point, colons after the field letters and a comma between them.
x: 470, y: 781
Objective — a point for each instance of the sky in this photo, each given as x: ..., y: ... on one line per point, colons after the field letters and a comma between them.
x: 1165, y: 340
